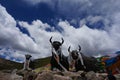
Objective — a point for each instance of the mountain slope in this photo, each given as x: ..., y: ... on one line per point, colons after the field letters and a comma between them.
x: 40, y: 62
x: 9, y: 65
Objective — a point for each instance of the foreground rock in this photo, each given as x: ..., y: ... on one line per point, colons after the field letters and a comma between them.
x: 10, y: 76
x: 52, y: 76
x: 117, y: 76
x: 27, y: 74
x: 56, y: 75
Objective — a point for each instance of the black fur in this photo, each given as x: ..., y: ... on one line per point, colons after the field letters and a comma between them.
x: 89, y: 62
x: 62, y: 59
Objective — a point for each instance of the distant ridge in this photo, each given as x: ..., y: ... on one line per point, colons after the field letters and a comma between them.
x: 10, y: 65
x: 41, y: 62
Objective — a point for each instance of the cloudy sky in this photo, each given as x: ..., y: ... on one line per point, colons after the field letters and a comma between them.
x: 27, y: 25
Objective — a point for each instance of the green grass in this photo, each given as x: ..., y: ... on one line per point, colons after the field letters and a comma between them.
x: 10, y: 65
x: 41, y: 62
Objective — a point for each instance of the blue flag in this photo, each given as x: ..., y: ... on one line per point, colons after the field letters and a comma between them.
x: 110, y: 61
x: 118, y: 52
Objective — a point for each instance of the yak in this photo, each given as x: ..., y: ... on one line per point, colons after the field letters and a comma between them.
x: 62, y: 63
x: 81, y: 61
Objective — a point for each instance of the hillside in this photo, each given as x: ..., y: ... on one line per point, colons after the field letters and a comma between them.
x: 9, y: 65
x: 41, y: 62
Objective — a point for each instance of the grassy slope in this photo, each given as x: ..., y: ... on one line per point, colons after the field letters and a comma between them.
x: 41, y: 62
x: 9, y: 65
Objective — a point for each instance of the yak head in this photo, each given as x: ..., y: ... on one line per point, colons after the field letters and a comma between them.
x: 74, y: 53
x: 56, y: 44
x: 27, y: 56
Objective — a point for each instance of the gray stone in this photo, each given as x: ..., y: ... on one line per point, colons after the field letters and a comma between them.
x: 117, y: 76
x: 59, y: 77
x: 91, y: 76
x: 45, y: 76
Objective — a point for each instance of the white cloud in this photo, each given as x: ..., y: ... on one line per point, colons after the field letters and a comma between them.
x: 12, y: 53
x: 92, y: 41
x: 38, y: 31
x: 77, y: 9
x: 7, y: 57
x: 10, y: 35
x: 78, y: 6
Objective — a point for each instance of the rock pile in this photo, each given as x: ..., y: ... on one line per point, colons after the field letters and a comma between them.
x: 10, y: 76
x: 45, y: 75
x: 57, y: 75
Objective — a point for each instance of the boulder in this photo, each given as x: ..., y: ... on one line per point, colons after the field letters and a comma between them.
x: 91, y: 76
x: 45, y: 76
x: 27, y: 74
x: 10, y: 76
x: 59, y: 77
x: 72, y: 75
x: 117, y: 76
x: 14, y: 76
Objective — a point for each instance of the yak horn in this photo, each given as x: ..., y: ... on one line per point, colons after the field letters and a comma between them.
x: 62, y: 40
x: 79, y: 47
x: 69, y: 48
x: 50, y: 39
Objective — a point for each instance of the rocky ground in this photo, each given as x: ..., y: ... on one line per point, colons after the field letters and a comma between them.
x: 70, y: 76
x: 9, y: 76
x: 56, y: 75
